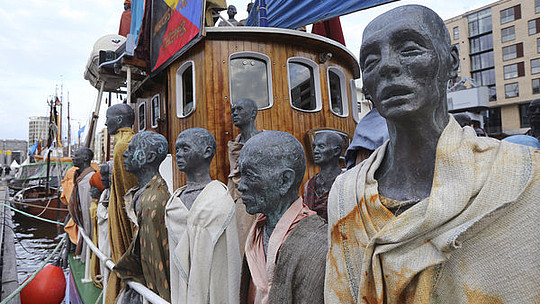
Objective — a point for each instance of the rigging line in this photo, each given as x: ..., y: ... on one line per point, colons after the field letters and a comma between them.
x: 18, y: 290
x: 30, y: 215
x: 37, y: 206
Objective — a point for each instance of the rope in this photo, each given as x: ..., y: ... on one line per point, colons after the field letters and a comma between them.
x: 31, y: 215
x: 18, y: 290
x: 32, y: 205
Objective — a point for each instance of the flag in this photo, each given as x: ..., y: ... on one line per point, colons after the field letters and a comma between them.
x: 32, y: 149
x: 81, y: 130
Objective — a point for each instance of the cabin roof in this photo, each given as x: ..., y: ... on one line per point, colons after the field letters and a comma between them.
x: 279, y: 34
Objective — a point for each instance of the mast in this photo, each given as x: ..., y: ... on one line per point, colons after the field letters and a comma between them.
x: 69, y: 128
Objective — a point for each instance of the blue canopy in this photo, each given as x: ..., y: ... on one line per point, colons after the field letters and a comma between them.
x: 295, y: 13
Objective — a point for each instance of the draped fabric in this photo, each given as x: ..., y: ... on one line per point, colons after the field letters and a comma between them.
x: 474, y: 239
x: 316, y: 202
x: 147, y: 259
x: 79, y: 206
x: 204, y: 249
x: 260, y: 265
x: 244, y: 220
x: 120, y: 228
x: 330, y: 28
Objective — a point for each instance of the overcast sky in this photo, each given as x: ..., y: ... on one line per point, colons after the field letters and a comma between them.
x: 46, y: 44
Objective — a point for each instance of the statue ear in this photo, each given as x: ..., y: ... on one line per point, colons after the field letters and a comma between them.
x: 286, y: 180
x: 208, y: 152
x: 337, y: 151
x: 151, y: 157
x: 454, y: 62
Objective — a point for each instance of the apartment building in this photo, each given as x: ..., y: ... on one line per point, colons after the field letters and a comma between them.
x: 38, y: 129
x: 499, y: 46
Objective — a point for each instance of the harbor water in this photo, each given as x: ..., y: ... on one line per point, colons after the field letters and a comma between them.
x: 34, y: 241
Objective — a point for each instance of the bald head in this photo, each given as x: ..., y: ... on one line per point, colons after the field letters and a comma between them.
x: 327, y: 148
x: 244, y: 112
x: 407, y: 60
x: 119, y: 116
x: 276, y: 149
x: 148, y: 141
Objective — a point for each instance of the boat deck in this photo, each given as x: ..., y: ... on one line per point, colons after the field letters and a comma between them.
x: 86, y: 293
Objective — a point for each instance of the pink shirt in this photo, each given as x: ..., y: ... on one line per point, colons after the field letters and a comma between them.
x: 261, y: 267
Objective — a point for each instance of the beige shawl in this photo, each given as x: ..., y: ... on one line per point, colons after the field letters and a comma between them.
x: 474, y: 239
x: 204, y: 251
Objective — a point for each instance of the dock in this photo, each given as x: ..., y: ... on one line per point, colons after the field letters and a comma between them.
x: 8, y: 262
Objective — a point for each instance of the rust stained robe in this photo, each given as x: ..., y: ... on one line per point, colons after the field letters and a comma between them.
x: 473, y: 240
x: 120, y: 228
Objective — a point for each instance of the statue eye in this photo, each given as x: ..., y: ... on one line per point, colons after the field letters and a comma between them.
x: 369, y: 61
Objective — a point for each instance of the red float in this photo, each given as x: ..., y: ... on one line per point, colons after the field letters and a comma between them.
x: 48, y: 287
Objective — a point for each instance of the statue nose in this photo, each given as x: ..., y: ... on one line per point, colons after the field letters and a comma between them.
x: 389, y: 65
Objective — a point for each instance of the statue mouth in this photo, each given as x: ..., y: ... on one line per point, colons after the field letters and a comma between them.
x: 395, y: 93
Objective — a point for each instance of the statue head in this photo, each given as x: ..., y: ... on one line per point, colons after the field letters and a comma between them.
x: 231, y: 11
x: 463, y: 119
x: 327, y: 148
x: 249, y: 7
x: 195, y: 148
x: 243, y: 112
x: 407, y: 60
x: 106, y: 173
x: 146, y: 151
x: 533, y: 112
x: 272, y: 166
x: 119, y: 116
x: 82, y: 158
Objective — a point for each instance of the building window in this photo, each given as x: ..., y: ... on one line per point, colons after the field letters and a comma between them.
x: 513, y: 51
x: 537, y: 6
x: 536, y: 86
x: 523, y: 117
x: 155, y: 110
x: 534, y: 26
x: 538, y: 45
x: 511, y: 90
x: 251, y: 77
x: 482, y: 61
x: 456, y: 32
x: 304, y: 82
x: 481, y: 44
x: 511, y: 14
x: 337, y: 90
x: 355, y: 109
x: 508, y: 34
x: 185, y: 90
x: 480, y: 22
x: 484, y: 78
x: 142, y: 116
x: 493, y: 121
x: 535, y: 66
x: 514, y: 70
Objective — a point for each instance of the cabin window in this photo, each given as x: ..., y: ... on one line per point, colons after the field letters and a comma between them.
x: 354, y: 101
x: 337, y: 92
x: 304, y: 84
x: 155, y: 110
x: 142, y: 116
x: 250, y: 77
x: 185, y: 90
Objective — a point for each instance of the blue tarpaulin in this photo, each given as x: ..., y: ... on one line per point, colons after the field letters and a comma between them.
x: 295, y: 13
x: 137, y: 14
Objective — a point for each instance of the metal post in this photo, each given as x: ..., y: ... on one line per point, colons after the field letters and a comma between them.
x: 128, y: 84
x: 87, y: 275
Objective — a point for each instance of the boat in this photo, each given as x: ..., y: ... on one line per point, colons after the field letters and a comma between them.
x: 178, y: 74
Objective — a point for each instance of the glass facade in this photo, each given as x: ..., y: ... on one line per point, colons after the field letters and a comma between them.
x: 480, y: 22
x: 523, y: 117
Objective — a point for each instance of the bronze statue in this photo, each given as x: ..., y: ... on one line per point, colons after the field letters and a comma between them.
x: 533, y: 112
x: 286, y: 247
x: 79, y: 206
x: 119, y: 120
x: 231, y: 12
x: 424, y: 214
x: 243, y: 115
x: 147, y: 259
x: 201, y: 221
x: 327, y: 148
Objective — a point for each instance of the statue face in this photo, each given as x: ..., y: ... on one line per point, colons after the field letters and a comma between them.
x: 534, y: 112
x: 401, y: 66
x: 323, y: 149
x: 241, y: 113
x: 134, y: 157
x: 258, y: 185
x: 112, y: 121
x: 80, y: 159
x: 189, y: 154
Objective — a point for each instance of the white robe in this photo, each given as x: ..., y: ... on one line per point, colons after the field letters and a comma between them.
x: 204, y: 250
x: 103, y: 234
x: 85, y: 199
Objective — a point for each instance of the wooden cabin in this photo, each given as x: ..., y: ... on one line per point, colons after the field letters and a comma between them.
x: 301, y: 82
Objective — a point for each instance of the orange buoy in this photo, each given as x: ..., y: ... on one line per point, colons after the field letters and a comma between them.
x: 48, y: 287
